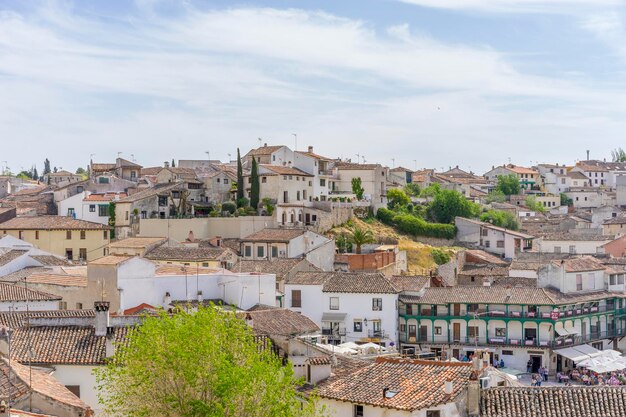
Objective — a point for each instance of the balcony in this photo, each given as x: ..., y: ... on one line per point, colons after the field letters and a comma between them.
x: 381, y: 334
x: 333, y: 332
x: 537, y: 315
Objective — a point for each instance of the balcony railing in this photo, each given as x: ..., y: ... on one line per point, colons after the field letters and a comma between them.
x: 510, y: 341
x: 540, y: 315
x: 333, y: 332
x: 376, y: 333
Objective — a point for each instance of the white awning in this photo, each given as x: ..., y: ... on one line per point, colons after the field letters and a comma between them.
x: 334, y: 316
x: 572, y: 353
x: 566, y: 332
x: 588, y: 350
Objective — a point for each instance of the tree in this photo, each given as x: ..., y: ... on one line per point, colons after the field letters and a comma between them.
x: 565, y: 200
x: 508, y: 184
x: 46, y: 167
x: 357, y: 188
x: 500, y: 218
x: 173, y: 163
x: 268, y: 205
x: 359, y: 237
x: 255, y: 187
x: 618, y: 155
x: 397, y: 199
x: 412, y: 189
x: 430, y: 191
x: 495, y: 196
x: 532, y: 203
x: 449, y: 204
x: 239, y: 177
x: 35, y: 174
x: 208, y: 363
x: 439, y: 256
x: 112, y: 219
x: 82, y: 172
x: 55, y: 170
x: 25, y: 175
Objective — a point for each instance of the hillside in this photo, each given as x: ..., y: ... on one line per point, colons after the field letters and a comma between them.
x: 419, y: 255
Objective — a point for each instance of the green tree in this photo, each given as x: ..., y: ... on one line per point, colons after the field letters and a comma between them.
x: 359, y: 237
x: 500, y: 218
x: 618, y: 155
x: 268, y: 205
x: 565, y: 200
x: 341, y: 242
x: 173, y: 163
x: 208, y: 363
x: 430, y: 191
x: 82, y: 172
x: 508, y: 184
x: 239, y: 177
x: 495, y: 196
x: 357, y: 188
x: 46, y: 167
x: 412, y: 189
x: 439, y: 256
x: 449, y: 204
x: 112, y: 219
x: 397, y: 199
x: 25, y: 175
x: 255, y: 188
x: 532, y: 203
x: 35, y: 174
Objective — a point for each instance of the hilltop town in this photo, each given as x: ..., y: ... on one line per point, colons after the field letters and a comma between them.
x: 389, y: 290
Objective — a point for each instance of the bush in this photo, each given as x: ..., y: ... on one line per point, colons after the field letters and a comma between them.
x: 243, y: 202
x: 385, y: 216
x: 412, y: 225
x: 229, y: 206
x: 500, y: 218
x: 440, y: 257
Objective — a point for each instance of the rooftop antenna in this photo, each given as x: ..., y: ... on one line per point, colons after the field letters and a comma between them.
x: 393, y: 162
x: 295, y: 136
x: 260, y: 142
x: 132, y: 157
x: 358, y: 158
x: 229, y: 157
x: 208, y: 155
x: 415, y: 164
x: 587, y: 154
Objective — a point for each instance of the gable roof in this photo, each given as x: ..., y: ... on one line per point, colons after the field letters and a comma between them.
x: 569, y: 401
x: 111, y: 260
x: 582, y: 264
x: 150, y: 192
x: 409, y: 283
x: 348, y: 282
x: 16, y: 292
x: 50, y: 223
x: 278, y: 266
x: 280, y: 322
x: 175, y: 253
x: 17, y: 319
x: 274, y: 235
x: 418, y: 384
x: 264, y: 150
x: 280, y: 170
x: 137, y: 242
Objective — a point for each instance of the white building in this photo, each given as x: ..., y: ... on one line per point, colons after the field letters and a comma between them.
x: 349, y: 307
x: 504, y: 242
x: 575, y: 244
x: 92, y: 207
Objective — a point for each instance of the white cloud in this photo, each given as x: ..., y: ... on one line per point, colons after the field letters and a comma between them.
x: 162, y: 87
x: 518, y: 6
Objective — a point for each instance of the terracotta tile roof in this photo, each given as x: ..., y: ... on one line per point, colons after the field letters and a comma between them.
x: 100, y: 167
x: 111, y: 260
x: 484, y: 271
x: 70, y: 345
x: 417, y: 384
x: 314, y: 155
x: 570, y: 237
x: 264, y: 150
x: 17, y: 319
x: 274, y: 235
x: 152, y: 191
x: 141, y: 309
x: 42, y: 383
x: 616, y: 220
x: 576, y: 175
x: 9, y: 255
x: 308, y: 278
x: 51, y: 260
x: 500, y: 229
x: 320, y: 360
x: 521, y: 170
x: 50, y: 223
x: 280, y: 322
x: 409, y: 283
x: 127, y: 164
x: 527, y: 265
x: 105, y: 196
x: 63, y: 280
x: 480, y: 256
x: 17, y: 292
x: 280, y: 170
x: 585, y: 263
x: 355, y: 166
x: 485, y: 295
x: 569, y: 401
x: 150, y: 170
x: 357, y: 282
x: 171, y: 253
x: 25, y: 272
x: 280, y: 267
x: 182, y: 270
x: 137, y: 242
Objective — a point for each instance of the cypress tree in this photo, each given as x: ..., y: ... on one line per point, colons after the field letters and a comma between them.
x: 46, y: 167
x: 255, y: 188
x: 173, y: 163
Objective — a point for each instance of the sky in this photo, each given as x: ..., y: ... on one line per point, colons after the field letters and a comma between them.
x: 416, y: 83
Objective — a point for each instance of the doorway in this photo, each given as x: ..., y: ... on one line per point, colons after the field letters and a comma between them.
x: 456, y: 332
x: 536, y: 361
x: 423, y: 333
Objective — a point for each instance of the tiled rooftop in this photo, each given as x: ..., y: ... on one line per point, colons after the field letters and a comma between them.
x: 280, y: 322
x: 274, y: 235
x: 17, y: 319
x: 417, y: 384
x: 409, y: 282
x: 171, y: 253
x: 17, y: 292
x: 50, y: 223
x: 137, y: 242
x: 280, y: 267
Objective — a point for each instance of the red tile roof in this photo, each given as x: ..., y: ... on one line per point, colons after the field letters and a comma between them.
x: 50, y: 223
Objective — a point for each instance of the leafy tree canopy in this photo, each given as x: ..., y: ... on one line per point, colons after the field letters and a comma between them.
x: 397, y: 199
x: 500, y: 218
x: 532, y: 203
x: 508, y: 184
x: 449, y: 204
x: 412, y: 189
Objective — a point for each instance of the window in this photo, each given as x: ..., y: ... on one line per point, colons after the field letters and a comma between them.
x: 144, y: 214
x: 500, y: 332
x: 103, y: 210
x: 472, y: 308
x: 103, y: 180
x: 438, y: 330
x: 162, y: 201
x: 591, y: 281
x: 225, y: 180
x: 62, y: 305
x: 105, y: 234
x: 433, y: 413
x: 260, y: 251
x: 322, y: 182
x: 500, y: 244
x: 263, y: 180
x: 20, y: 234
x: 334, y: 303
x: 36, y: 234
x: 298, y: 195
x: 83, y: 235
x: 472, y: 331
x: 358, y: 326
x: 358, y: 411
x: 249, y: 180
x: 82, y: 254
x: 74, y: 389
x: 126, y: 215
x: 377, y: 304
x: 485, y: 232
x: 68, y: 234
x: 557, y: 249
x: 579, y: 282
x: 205, y: 264
x: 572, y: 248
x: 304, y: 194
x: 218, y: 180
x: 274, y: 251
x: 248, y: 251
x: 487, y: 243
x: 92, y: 208
x: 296, y: 298
x: 507, y: 352
x: 79, y: 306
x: 70, y: 212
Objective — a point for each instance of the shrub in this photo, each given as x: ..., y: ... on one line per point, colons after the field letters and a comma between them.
x: 243, y: 202
x: 385, y: 216
x: 229, y: 206
x: 439, y: 256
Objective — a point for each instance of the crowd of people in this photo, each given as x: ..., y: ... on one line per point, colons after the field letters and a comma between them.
x: 587, y: 377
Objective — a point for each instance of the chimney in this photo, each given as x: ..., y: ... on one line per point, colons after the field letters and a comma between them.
x: 166, y: 164
x: 448, y: 387
x: 385, y: 392
x: 310, y: 149
x: 167, y: 300
x: 587, y: 154
x: 109, y: 348
x: 102, y: 317
x: 190, y: 236
x: 265, y: 145
x: 249, y: 321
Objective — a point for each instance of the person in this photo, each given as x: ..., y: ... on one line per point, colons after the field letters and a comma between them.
x: 529, y: 366
x: 559, y: 377
x: 501, y: 363
x: 545, y: 374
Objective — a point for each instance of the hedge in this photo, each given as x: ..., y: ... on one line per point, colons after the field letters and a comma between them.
x: 415, y: 226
